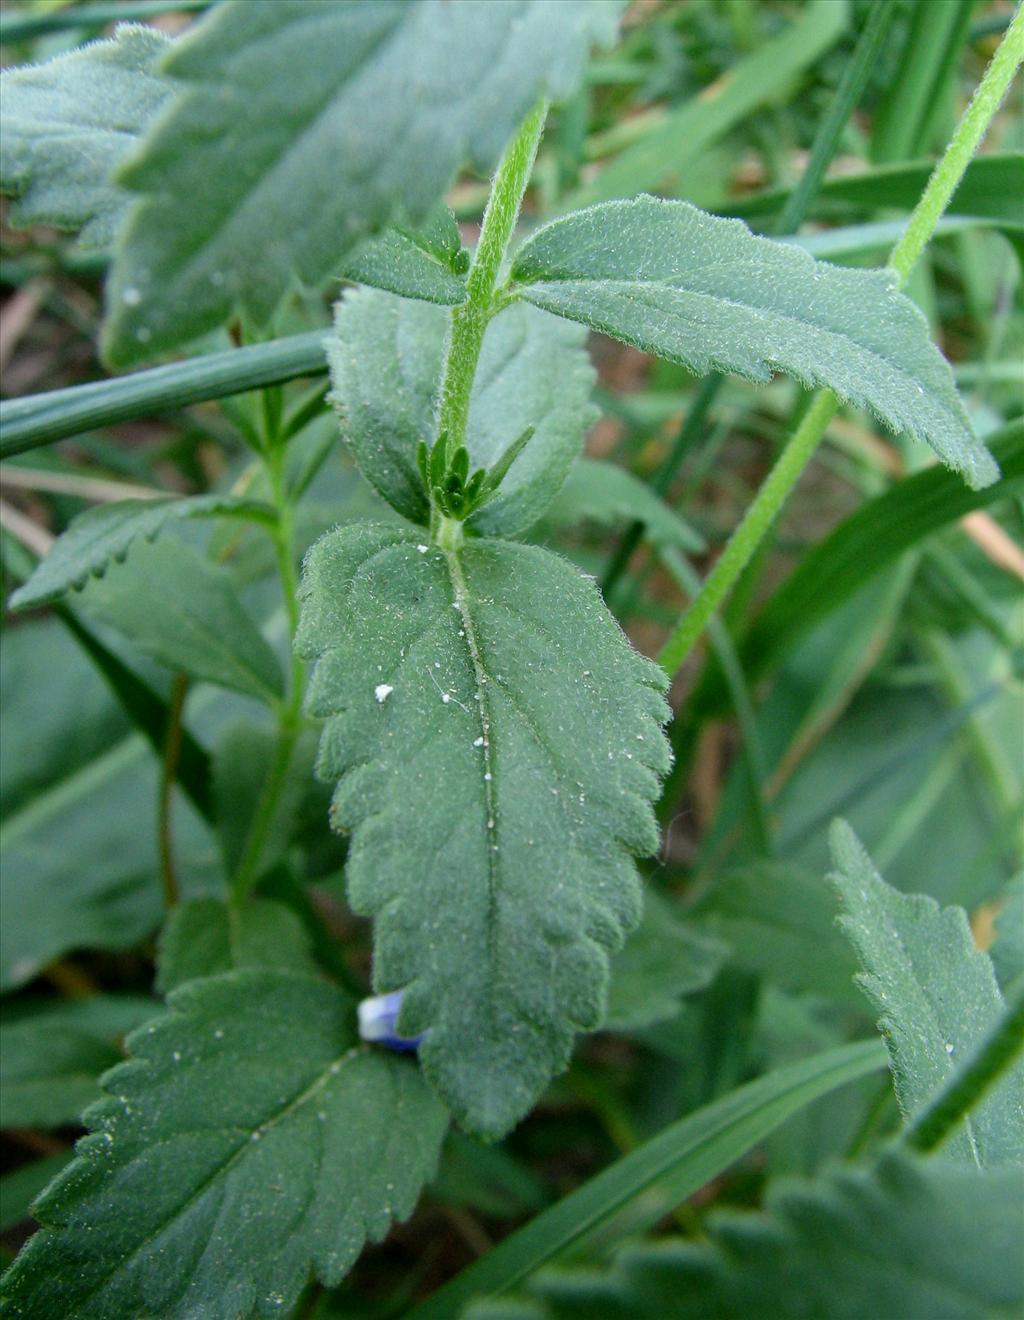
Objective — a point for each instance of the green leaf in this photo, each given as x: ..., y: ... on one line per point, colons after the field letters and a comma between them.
x: 207, y: 936
x: 386, y: 359
x: 386, y: 101
x: 607, y: 494
x: 659, y: 1175
x: 780, y: 923
x: 105, y: 533
x: 908, y: 1238
x: 181, y: 609
x: 662, y: 961
x: 1008, y: 950
x: 54, y: 1053
x: 424, y: 264
x: 478, y: 733
x: 248, y: 1140
x: 80, y: 806
x: 69, y: 123
x: 707, y: 293
x: 938, y: 996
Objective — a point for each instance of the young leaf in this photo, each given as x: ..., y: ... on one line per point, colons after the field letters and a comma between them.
x: 424, y: 264
x: 386, y: 358
x: 386, y: 101
x: 662, y: 961
x: 907, y: 1238
x: 105, y: 533
x: 68, y: 123
x: 607, y: 494
x: 707, y: 293
x: 938, y: 996
x: 179, y: 608
x: 207, y: 936
x: 248, y: 1140
x: 55, y: 1051
x: 496, y: 763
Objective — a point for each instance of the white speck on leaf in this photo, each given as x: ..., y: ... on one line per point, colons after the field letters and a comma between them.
x: 382, y: 691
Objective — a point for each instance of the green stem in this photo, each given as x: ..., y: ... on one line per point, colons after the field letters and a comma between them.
x: 934, y: 1124
x: 965, y: 141
x: 804, y: 441
x: 743, y: 542
x: 290, y: 711
x: 469, y: 321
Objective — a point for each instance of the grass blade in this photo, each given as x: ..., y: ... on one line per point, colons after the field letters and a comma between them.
x: 684, y: 1156
x: 42, y: 418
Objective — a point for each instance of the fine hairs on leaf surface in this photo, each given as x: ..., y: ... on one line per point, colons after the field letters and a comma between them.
x: 349, y: 115
x: 105, y: 534
x: 67, y: 125
x: 705, y: 292
x: 531, y: 750
x: 249, y: 1139
x: 938, y: 996
x: 907, y: 1238
x: 386, y: 356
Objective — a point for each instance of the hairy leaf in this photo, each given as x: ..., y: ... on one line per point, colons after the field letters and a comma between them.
x: 908, y: 1238
x: 181, y: 609
x: 937, y: 994
x: 707, y: 293
x: 662, y: 961
x: 55, y: 1051
x: 105, y: 533
x: 607, y: 494
x: 428, y: 264
x: 68, y: 123
x: 207, y: 936
x: 496, y: 763
x: 386, y: 359
x: 248, y: 1139
x: 301, y: 128
x: 1008, y: 950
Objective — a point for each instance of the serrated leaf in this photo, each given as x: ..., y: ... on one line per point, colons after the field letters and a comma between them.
x: 248, y: 1140
x: 908, y: 1238
x: 705, y: 292
x: 53, y: 1054
x: 662, y: 961
x: 414, y: 264
x: 105, y: 534
x: 607, y: 494
x: 207, y: 936
x: 938, y: 997
x: 302, y: 128
x: 386, y: 358
x: 181, y: 609
x: 497, y: 759
x: 68, y: 123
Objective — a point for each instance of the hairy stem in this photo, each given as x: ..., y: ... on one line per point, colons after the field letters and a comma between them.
x: 470, y: 320
x: 934, y: 1124
x: 802, y: 444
